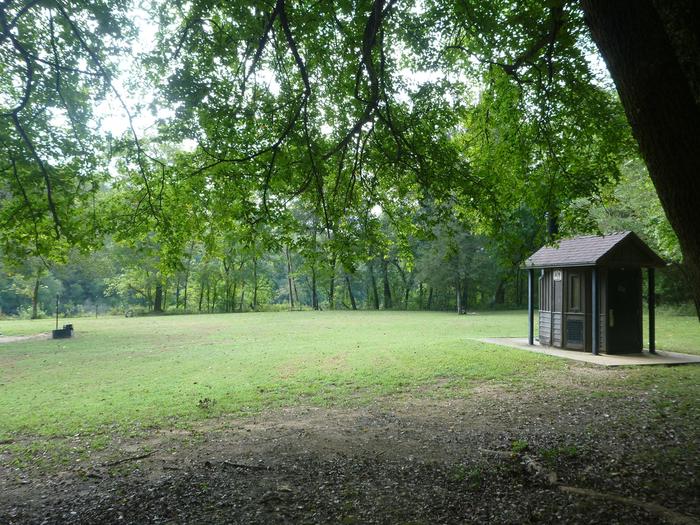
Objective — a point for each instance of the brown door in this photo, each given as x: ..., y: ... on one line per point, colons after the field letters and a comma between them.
x: 624, y: 311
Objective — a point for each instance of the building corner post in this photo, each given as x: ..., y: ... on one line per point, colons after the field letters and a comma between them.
x: 595, y: 315
x: 530, y: 307
x: 651, y: 299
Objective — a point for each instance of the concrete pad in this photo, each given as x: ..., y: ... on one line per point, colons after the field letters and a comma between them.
x: 645, y: 358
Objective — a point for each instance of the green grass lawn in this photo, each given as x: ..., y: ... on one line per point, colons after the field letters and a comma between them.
x: 122, y: 375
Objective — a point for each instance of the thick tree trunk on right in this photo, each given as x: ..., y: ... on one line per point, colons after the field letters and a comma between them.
x: 652, y: 49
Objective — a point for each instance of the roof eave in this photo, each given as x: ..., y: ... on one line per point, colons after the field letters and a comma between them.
x: 654, y: 260
x: 589, y: 265
x: 558, y: 265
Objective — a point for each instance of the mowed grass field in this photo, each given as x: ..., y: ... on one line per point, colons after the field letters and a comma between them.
x: 121, y: 375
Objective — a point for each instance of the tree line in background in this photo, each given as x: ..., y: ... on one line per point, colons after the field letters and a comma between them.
x: 238, y: 278
x: 437, y: 267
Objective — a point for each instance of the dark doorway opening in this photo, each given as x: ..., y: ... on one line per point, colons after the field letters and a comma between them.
x: 624, y: 310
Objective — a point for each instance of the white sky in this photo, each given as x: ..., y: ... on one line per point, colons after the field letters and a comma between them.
x: 114, y: 119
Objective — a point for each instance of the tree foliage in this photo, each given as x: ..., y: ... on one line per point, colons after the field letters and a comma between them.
x: 347, y: 136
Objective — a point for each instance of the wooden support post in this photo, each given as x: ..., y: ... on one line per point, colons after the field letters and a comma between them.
x: 530, y: 308
x: 651, y: 299
x: 595, y: 315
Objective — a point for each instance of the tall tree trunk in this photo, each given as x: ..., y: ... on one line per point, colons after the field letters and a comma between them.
x: 430, y: 298
x: 458, y: 291
x: 404, y: 280
x: 184, y: 297
x: 314, y: 289
x: 314, y: 284
x: 464, y: 300
x: 158, y: 301
x: 227, y: 283
x: 420, y: 296
x: 375, y: 292
x: 387, y: 288
x: 240, y: 307
x: 215, y: 294
x: 233, y: 296
x: 35, y: 295
x: 296, y: 293
x: 290, y: 289
x: 201, y: 295
x: 352, y: 297
x: 652, y: 49
x: 331, y: 286
x: 255, y: 283
x: 187, y: 273
x: 500, y: 296
x: 177, y: 294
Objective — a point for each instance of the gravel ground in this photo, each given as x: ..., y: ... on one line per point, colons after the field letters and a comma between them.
x: 498, y: 455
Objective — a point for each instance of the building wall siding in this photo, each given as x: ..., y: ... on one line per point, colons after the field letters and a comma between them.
x: 545, y: 328
x: 556, y: 329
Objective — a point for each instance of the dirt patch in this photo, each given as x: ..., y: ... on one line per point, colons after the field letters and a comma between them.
x: 334, y: 363
x: 4, y: 339
x: 288, y: 370
x: 401, y: 459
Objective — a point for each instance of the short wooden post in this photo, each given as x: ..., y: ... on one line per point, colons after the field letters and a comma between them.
x: 530, y: 308
x: 652, y: 310
x: 595, y: 315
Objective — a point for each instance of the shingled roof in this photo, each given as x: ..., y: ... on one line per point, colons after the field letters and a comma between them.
x: 622, y: 248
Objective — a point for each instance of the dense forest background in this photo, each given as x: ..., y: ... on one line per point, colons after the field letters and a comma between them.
x: 443, y: 267
x: 197, y: 157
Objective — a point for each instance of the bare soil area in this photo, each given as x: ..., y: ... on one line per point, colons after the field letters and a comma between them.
x: 497, y: 455
x: 5, y: 339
